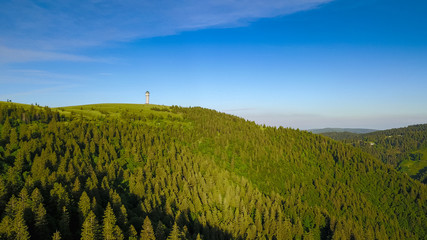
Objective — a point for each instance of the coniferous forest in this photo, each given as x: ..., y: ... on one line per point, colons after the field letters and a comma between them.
x: 127, y: 171
x: 402, y: 148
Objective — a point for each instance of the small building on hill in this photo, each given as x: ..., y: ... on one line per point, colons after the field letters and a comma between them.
x: 147, y: 97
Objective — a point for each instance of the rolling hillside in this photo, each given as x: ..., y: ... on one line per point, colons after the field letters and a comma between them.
x: 128, y: 171
x: 403, y: 148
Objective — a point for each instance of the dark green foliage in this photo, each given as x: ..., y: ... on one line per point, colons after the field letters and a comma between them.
x: 40, y: 222
x: 64, y: 224
x: 160, y: 233
x: 192, y: 173
x: 340, y: 135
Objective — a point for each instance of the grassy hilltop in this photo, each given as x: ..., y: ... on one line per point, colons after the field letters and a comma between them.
x: 129, y: 171
x: 118, y: 109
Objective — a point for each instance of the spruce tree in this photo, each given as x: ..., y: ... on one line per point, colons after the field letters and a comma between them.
x: 133, y: 235
x: 36, y: 198
x: 5, y: 130
x: 84, y: 206
x: 118, y: 233
x: 175, y: 234
x: 147, y: 231
x: 90, y: 228
x: 110, y: 231
x: 20, y: 228
x: 56, y: 235
x: 6, y: 231
x: 41, y: 224
x: 64, y: 224
x: 160, y: 231
x: 284, y: 230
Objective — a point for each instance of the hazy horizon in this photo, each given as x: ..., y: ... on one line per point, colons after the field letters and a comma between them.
x: 301, y: 64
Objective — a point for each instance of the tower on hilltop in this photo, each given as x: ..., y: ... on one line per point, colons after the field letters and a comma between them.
x: 147, y: 97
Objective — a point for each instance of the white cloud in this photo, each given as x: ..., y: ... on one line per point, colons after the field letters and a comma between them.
x: 57, y: 25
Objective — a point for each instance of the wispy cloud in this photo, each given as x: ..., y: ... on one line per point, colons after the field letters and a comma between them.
x: 59, y: 25
x: 8, y: 55
x: 38, y: 91
x: 29, y: 85
x: 34, y: 77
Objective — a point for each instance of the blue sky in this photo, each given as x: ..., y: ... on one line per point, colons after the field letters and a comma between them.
x: 294, y: 63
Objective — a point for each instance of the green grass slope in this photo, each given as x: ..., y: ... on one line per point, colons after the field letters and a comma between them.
x: 128, y: 170
x: 118, y: 110
x: 415, y: 165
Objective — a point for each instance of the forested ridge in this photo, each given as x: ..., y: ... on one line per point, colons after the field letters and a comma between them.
x: 403, y: 148
x: 156, y: 172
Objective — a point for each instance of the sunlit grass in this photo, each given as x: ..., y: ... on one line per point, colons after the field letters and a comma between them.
x: 412, y: 167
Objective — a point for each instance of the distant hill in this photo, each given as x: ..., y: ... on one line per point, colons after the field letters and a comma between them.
x: 340, y: 135
x: 130, y: 171
x: 340, y: 130
x: 403, y: 148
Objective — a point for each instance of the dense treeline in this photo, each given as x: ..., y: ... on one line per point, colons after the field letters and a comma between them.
x: 309, y: 168
x: 340, y: 135
x: 391, y: 146
x: 205, y: 175
x: 394, y: 145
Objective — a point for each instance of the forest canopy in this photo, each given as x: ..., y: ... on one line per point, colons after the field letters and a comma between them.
x: 128, y: 171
